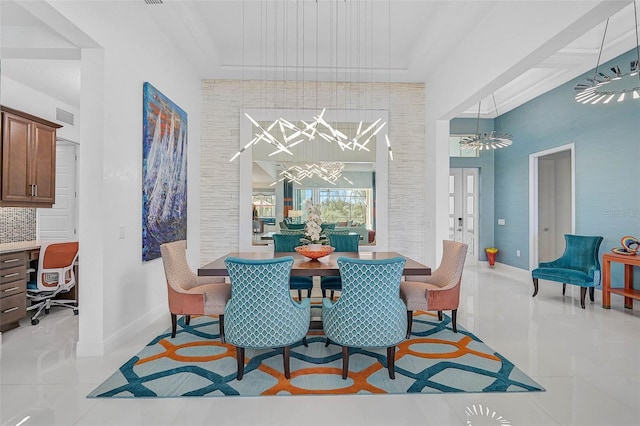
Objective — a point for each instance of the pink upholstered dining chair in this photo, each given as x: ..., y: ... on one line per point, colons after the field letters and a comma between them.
x: 439, y: 291
x: 188, y: 293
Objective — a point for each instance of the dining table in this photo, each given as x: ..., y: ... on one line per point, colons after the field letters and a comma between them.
x: 303, y: 266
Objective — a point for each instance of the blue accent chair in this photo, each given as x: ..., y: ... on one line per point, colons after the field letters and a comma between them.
x: 287, y: 243
x: 261, y: 313
x: 369, y: 313
x: 342, y: 243
x: 578, y: 265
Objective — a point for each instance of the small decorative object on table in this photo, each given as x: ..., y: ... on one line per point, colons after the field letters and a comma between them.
x: 630, y: 246
x: 308, y: 251
x: 491, y: 255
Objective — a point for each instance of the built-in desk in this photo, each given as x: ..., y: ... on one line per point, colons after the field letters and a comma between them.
x: 15, y: 263
x: 18, y: 265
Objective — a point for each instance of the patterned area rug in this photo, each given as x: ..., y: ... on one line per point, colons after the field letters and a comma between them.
x: 195, y: 363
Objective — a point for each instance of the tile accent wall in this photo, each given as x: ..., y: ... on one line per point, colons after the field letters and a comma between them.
x: 17, y: 224
x: 220, y: 181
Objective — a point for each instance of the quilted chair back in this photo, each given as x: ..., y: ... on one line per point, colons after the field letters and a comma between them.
x: 329, y: 232
x: 580, y: 252
x: 286, y: 242
x: 344, y: 243
x: 449, y: 272
x: 369, y: 313
x: 261, y: 312
x: 298, y: 232
x: 179, y: 275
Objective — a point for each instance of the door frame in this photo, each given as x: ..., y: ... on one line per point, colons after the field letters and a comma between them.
x: 533, y: 197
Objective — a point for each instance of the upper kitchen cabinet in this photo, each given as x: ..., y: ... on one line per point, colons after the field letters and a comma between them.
x: 28, y: 160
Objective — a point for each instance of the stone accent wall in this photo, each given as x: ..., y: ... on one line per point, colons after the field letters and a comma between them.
x: 17, y: 224
x: 220, y: 180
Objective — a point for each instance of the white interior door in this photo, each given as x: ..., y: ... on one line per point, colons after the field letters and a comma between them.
x: 463, y: 209
x: 554, y: 204
x: 59, y: 222
x: 552, y: 192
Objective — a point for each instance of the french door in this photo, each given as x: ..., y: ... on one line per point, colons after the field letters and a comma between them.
x: 463, y: 209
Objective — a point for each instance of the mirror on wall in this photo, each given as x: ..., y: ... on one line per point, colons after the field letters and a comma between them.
x: 347, y: 184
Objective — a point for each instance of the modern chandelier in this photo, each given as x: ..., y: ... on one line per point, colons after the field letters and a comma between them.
x: 619, y: 86
x: 486, y: 141
x: 284, y: 134
x: 329, y: 172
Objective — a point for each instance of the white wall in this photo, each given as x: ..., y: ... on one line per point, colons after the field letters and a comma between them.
x: 18, y: 96
x: 120, y: 293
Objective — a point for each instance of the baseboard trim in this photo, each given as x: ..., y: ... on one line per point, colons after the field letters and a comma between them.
x: 126, y: 334
x: 520, y: 274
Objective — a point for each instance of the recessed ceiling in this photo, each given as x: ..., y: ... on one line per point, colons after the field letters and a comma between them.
x: 253, y: 39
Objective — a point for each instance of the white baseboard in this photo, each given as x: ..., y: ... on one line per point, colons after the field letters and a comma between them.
x: 517, y: 273
x: 126, y: 334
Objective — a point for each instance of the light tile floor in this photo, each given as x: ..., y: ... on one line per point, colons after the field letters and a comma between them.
x: 588, y: 360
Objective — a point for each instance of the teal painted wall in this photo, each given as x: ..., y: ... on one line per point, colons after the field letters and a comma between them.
x: 607, y: 150
x: 467, y: 126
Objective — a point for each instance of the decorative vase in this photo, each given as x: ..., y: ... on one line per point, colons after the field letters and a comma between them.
x: 491, y: 255
x: 314, y: 247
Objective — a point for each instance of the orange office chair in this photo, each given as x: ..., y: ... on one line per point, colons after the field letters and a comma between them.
x: 55, y: 275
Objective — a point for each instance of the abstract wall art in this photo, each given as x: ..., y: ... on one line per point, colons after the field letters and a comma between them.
x: 164, y: 172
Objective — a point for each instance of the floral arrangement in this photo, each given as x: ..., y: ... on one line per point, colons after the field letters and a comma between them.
x: 312, y: 229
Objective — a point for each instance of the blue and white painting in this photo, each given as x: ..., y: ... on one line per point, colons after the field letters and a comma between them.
x: 164, y: 172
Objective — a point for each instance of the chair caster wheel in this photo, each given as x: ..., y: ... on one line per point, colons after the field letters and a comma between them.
x: 46, y: 311
x: 35, y: 321
x: 75, y: 312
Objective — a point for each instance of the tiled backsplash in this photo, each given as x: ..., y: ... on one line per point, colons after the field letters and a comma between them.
x: 17, y: 224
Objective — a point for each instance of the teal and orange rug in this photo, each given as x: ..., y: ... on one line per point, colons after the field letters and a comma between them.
x: 195, y: 363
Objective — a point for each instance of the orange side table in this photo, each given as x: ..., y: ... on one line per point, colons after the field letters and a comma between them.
x: 627, y: 291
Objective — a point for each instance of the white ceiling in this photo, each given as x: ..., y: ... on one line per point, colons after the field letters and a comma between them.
x: 268, y: 39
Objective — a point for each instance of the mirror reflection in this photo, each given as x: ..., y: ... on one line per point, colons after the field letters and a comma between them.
x: 341, y: 182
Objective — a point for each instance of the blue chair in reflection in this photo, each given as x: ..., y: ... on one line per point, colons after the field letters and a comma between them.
x: 369, y: 313
x: 286, y: 243
x: 261, y: 313
x: 342, y: 243
x: 578, y: 265
x: 327, y: 226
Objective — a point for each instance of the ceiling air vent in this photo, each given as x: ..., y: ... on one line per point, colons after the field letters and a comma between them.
x: 64, y: 116
x: 153, y: 1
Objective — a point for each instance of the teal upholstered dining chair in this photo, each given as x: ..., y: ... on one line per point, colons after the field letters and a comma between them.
x: 298, y: 232
x: 578, y: 265
x: 295, y: 225
x: 286, y: 243
x: 369, y: 313
x: 327, y: 226
x: 261, y: 312
x: 342, y: 243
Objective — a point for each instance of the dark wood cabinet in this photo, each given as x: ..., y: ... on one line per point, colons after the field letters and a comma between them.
x: 28, y: 160
x: 13, y: 286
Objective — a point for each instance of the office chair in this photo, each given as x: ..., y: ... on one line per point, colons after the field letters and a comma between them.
x: 55, y: 275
